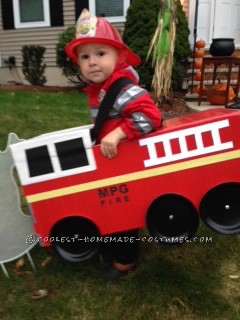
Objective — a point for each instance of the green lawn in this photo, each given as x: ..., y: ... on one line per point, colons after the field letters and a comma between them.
x: 194, y: 281
x: 29, y: 114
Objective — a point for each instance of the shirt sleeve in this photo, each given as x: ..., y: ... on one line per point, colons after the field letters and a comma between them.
x: 139, y: 113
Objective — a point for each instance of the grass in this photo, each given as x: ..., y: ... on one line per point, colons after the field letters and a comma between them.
x: 193, y: 281
x: 29, y: 114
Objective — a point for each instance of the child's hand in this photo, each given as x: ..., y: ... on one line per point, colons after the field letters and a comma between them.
x: 110, y: 141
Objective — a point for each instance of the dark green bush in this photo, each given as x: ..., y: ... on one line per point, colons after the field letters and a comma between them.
x: 182, y: 48
x: 141, y: 22
x: 69, y: 68
x: 32, y: 65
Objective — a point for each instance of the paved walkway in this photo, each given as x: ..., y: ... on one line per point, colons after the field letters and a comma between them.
x: 193, y: 106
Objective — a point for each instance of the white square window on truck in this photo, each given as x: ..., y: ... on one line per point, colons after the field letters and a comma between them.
x: 54, y: 155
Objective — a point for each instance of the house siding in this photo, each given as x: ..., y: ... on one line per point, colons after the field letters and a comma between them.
x: 13, y: 40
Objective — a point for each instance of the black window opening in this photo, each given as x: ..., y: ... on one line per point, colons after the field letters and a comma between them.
x: 39, y: 162
x: 72, y: 154
x: 79, y: 6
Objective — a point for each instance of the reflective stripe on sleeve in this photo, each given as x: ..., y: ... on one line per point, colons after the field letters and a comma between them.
x: 127, y: 95
x: 141, y: 122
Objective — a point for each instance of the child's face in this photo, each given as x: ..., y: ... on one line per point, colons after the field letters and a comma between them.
x: 97, y: 61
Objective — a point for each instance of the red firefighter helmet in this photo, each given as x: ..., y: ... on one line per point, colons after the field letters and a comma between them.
x: 92, y: 29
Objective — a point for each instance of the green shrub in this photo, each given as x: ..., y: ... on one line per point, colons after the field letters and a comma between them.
x: 141, y: 22
x: 69, y: 68
x: 139, y: 27
x: 32, y: 65
x: 182, y: 48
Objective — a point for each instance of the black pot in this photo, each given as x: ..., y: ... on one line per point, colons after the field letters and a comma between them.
x: 222, y: 47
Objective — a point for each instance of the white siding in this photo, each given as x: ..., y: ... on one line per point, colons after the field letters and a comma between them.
x: 11, y: 41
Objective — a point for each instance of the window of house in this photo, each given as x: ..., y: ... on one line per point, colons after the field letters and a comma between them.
x: 31, y: 13
x: 109, y: 8
x: 112, y: 10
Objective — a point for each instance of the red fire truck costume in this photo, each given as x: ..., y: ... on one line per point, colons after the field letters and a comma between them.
x: 133, y: 110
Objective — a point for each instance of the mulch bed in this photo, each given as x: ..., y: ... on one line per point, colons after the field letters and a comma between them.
x: 174, y: 105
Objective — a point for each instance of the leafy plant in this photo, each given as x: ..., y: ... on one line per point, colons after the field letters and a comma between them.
x: 69, y: 68
x: 140, y: 25
x: 32, y: 66
x: 182, y: 48
x: 141, y: 22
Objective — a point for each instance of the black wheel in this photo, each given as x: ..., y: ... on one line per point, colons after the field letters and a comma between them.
x: 220, y: 208
x: 74, y: 239
x: 172, y: 219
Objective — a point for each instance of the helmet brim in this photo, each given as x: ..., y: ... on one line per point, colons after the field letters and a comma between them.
x: 71, y: 49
